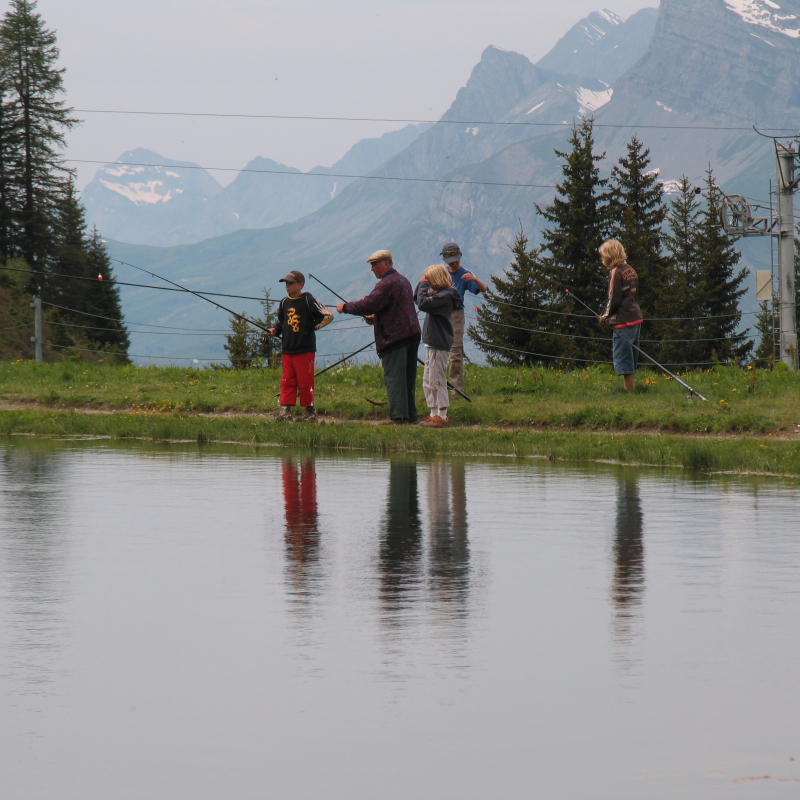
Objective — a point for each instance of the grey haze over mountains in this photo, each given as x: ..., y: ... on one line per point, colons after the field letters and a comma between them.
x: 139, y: 200
x: 713, y: 69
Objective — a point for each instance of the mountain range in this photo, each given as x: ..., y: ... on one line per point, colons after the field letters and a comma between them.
x: 146, y: 198
x: 711, y: 70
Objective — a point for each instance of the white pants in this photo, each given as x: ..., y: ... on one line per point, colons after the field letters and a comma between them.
x: 434, y: 378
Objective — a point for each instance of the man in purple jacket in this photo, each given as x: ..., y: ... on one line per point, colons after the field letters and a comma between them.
x: 390, y: 309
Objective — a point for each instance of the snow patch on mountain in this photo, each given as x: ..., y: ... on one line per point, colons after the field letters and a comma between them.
x: 766, y: 14
x: 590, y: 101
x: 141, y: 193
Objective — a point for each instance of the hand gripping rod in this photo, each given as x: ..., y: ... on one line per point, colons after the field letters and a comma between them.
x: 662, y: 368
x: 336, y: 294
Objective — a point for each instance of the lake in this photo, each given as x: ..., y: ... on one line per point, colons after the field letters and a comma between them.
x: 185, y: 623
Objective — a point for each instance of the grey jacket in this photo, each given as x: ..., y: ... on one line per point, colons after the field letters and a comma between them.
x: 437, y: 330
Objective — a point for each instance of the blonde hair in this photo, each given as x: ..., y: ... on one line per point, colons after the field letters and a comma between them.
x: 612, y: 253
x: 438, y: 276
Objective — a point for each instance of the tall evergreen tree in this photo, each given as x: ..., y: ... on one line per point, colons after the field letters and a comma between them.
x: 578, y: 225
x: 678, y: 307
x: 28, y: 56
x: 636, y: 215
x: 720, y: 283
x: 514, y: 312
x: 10, y: 162
x: 84, y: 299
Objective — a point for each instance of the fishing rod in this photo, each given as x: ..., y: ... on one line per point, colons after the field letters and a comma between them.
x: 639, y: 350
x: 336, y: 294
x: 197, y: 294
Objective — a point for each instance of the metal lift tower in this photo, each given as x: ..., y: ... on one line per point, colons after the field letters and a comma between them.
x: 738, y: 219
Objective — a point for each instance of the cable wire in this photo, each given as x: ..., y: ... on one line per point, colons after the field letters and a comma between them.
x: 596, y: 338
x: 315, y: 174
x: 417, y: 121
x: 14, y: 327
x: 148, y: 324
x: 18, y: 353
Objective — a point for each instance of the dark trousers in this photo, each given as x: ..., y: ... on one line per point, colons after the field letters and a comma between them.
x: 400, y: 377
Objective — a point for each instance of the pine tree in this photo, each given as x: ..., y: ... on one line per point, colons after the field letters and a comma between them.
x: 765, y: 325
x: 10, y: 160
x: 103, y: 299
x: 679, y: 327
x: 87, y: 308
x: 240, y: 343
x: 579, y: 223
x: 720, y: 283
x: 512, y: 308
x: 28, y: 56
x: 636, y: 211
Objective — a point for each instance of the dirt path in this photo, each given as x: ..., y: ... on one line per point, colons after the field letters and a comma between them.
x: 787, y: 436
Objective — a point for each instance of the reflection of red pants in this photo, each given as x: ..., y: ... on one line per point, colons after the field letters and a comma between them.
x: 298, y: 373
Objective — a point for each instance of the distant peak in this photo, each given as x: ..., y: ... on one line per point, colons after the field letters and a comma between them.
x: 610, y: 16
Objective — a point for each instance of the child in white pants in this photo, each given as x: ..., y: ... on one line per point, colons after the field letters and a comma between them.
x: 436, y: 296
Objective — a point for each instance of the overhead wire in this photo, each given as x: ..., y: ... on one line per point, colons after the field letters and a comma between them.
x: 595, y: 338
x: 314, y: 174
x: 416, y: 121
x: 14, y: 327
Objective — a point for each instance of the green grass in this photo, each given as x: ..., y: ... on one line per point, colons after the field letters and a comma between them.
x: 592, y: 399
x: 762, y: 455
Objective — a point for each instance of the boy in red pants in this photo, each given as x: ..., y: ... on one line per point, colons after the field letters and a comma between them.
x: 299, y: 316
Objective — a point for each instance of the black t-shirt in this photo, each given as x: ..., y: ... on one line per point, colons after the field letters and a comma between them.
x: 298, y: 318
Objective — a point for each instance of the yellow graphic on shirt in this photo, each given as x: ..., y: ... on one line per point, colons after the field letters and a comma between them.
x: 293, y: 320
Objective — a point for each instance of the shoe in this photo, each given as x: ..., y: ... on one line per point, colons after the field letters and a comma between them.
x: 309, y: 415
x: 438, y: 422
x: 400, y: 421
x: 426, y: 423
x: 285, y: 415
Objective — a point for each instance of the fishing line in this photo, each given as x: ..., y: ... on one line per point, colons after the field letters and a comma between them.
x: 639, y: 350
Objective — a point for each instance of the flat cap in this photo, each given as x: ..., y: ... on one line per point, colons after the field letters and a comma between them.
x: 380, y: 255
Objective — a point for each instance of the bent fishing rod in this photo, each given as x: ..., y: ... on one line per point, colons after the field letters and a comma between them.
x: 196, y: 294
x: 639, y: 350
x: 336, y: 294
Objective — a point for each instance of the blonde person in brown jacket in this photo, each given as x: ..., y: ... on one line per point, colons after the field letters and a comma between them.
x: 622, y: 311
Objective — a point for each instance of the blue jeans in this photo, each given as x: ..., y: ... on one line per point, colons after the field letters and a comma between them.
x: 626, y: 359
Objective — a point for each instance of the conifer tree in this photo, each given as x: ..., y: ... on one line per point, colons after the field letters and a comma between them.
x: 636, y: 214
x: 678, y: 307
x: 719, y: 284
x: 28, y: 56
x: 103, y: 299
x: 515, y: 305
x: 578, y: 218
x: 765, y: 325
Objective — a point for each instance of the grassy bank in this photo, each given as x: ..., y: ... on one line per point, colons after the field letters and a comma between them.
x: 589, y: 400
x: 762, y: 455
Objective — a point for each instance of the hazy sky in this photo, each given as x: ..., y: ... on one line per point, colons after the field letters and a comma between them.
x: 378, y: 58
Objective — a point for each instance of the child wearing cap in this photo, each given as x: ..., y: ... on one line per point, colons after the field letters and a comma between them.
x: 436, y: 296
x: 299, y: 316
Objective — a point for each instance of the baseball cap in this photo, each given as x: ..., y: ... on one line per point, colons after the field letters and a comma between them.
x: 293, y: 277
x: 379, y: 255
x: 451, y: 252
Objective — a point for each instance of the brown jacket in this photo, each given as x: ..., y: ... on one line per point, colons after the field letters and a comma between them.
x: 623, y: 309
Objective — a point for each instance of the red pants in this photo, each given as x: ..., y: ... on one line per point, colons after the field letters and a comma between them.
x: 298, y: 373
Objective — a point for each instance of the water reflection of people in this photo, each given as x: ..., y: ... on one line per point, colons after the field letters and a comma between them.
x: 302, y: 525
x: 449, y: 544
x: 401, y: 541
x: 628, y: 584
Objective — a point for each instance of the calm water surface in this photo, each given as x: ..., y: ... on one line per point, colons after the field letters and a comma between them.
x: 179, y: 624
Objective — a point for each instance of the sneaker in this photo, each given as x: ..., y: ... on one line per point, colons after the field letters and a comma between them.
x: 285, y: 414
x: 309, y: 415
x: 438, y: 422
x: 426, y: 423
